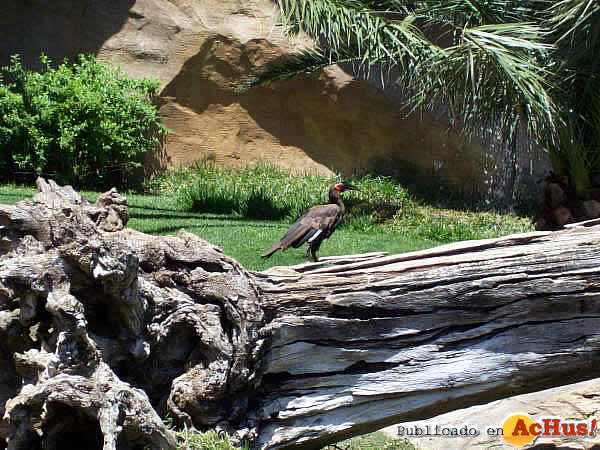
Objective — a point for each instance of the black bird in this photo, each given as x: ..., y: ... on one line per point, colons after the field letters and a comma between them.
x: 315, y: 224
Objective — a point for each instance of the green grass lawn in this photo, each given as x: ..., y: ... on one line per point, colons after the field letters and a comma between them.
x: 372, y: 441
x: 243, y: 239
x: 10, y: 194
x: 418, y: 227
x: 239, y: 238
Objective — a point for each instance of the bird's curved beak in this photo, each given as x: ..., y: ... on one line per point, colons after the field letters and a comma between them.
x: 351, y: 187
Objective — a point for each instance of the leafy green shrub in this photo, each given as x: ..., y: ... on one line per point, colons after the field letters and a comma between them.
x: 83, y: 123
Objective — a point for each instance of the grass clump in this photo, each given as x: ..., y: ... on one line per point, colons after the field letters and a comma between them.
x: 268, y: 193
x: 383, y: 205
x: 372, y: 441
x: 259, y: 192
x: 190, y: 439
x: 446, y: 225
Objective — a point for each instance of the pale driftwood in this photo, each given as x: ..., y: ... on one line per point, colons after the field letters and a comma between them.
x: 585, y: 223
x: 403, y: 337
x: 105, y: 326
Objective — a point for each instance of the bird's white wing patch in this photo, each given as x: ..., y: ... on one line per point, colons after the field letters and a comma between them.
x: 314, y: 236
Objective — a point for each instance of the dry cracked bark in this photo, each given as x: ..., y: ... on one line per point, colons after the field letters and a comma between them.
x: 102, y: 328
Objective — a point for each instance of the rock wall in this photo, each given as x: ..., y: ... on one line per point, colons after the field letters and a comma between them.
x: 201, y: 49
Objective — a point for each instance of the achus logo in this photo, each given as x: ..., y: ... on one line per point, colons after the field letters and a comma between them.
x: 520, y: 429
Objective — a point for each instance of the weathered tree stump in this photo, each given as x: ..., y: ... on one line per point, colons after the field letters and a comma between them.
x: 103, y: 328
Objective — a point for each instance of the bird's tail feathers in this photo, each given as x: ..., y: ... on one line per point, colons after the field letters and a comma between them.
x: 270, y: 251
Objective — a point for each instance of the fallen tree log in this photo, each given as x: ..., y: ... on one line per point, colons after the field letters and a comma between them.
x: 297, y: 356
x: 409, y: 336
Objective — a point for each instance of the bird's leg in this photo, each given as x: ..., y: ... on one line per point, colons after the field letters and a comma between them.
x: 311, y: 253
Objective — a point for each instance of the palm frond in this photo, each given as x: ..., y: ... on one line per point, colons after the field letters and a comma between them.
x: 378, y: 34
x: 361, y: 32
x: 462, y: 13
x: 572, y: 18
x: 302, y: 63
x: 576, y: 31
x: 489, y: 70
x: 490, y: 79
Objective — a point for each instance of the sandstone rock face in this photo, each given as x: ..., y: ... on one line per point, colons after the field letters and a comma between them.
x: 575, y: 402
x: 591, y: 208
x: 554, y: 195
x: 201, y: 49
x: 562, y: 216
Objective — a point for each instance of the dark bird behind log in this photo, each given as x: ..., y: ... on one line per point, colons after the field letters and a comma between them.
x: 315, y: 224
